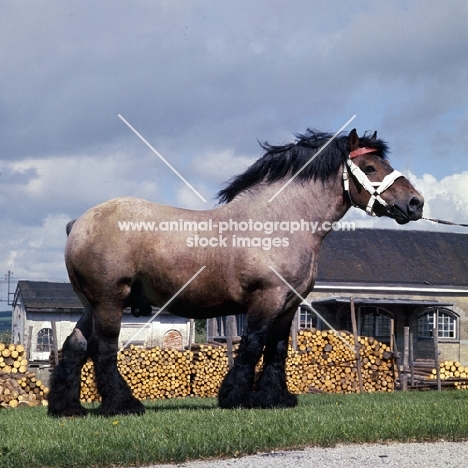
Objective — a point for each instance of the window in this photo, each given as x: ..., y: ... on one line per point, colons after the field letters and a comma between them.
x: 307, y: 318
x: 446, y: 323
x: 45, y: 341
x: 374, y: 321
x: 371, y: 321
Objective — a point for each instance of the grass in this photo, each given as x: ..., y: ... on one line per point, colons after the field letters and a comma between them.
x: 178, y: 430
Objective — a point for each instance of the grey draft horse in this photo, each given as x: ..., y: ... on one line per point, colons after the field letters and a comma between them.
x: 128, y: 252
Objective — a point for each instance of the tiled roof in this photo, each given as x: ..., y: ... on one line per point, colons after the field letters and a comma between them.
x: 47, y: 295
x: 390, y: 256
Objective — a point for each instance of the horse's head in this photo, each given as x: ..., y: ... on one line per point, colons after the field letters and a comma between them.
x: 374, y: 186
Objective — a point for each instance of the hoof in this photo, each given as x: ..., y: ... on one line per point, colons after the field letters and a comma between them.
x: 271, y: 400
x: 133, y: 406
x: 74, y: 411
x: 233, y: 399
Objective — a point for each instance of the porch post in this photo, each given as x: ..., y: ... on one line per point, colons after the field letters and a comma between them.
x: 356, y: 343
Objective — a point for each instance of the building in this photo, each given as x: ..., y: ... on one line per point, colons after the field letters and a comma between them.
x: 37, y: 305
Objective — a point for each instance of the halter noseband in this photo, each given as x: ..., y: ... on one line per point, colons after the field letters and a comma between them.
x: 374, y: 188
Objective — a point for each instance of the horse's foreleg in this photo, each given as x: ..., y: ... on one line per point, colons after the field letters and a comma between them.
x: 65, y: 381
x: 271, y: 389
x: 237, y: 387
x: 116, y: 395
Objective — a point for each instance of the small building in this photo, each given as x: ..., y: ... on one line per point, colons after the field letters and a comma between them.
x: 37, y: 305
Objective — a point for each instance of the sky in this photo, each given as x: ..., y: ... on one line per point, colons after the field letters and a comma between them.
x: 203, y: 82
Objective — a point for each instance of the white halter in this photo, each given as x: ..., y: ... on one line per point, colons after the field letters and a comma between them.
x: 374, y: 188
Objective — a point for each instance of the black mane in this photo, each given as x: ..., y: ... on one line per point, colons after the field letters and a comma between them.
x: 280, y: 162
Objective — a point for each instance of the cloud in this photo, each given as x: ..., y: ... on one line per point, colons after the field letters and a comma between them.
x: 37, y: 252
x: 445, y: 199
x: 202, y: 82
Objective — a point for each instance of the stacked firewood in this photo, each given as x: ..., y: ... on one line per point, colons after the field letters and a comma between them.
x: 13, y: 358
x: 422, y: 369
x: 451, y: 371
x: 325, y: 362
x: 21, y: 390
x: 17, y: 386
x: 209, y: 367
x: 151, y: 373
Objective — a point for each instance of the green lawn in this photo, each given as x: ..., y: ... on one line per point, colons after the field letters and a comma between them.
x: 177, y: 430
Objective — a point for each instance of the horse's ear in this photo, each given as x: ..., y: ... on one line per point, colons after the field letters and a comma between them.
x: 353, y: 140
x: 374, y: 136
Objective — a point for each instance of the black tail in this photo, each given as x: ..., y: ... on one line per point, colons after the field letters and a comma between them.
x: 69, y: 226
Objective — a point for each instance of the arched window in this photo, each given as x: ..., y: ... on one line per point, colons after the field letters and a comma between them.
x: 45, y: 340
x: 445, y: 319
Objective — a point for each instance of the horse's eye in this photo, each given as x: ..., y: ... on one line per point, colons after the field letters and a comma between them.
x: 369, y: 169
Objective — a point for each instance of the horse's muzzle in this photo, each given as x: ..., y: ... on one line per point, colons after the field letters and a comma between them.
x: 403, y: 213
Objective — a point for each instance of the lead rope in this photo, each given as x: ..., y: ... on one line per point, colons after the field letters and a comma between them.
x: 441, y: 221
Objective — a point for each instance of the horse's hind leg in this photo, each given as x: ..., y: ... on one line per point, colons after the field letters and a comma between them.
x: 271, y: 389
x: 116, y: 395
x: 65, y: 382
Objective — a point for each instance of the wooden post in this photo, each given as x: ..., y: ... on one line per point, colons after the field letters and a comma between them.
x: 392, y: 333
x: 191, y: 332
x: 356, y: 343
x: 211, y: 329
x: 397, y: 358
x: 436, y: 357
x: 411, y: 358
x: 294, y: 328
x: 404, y: 382
x: 230, y: 330
x: 54, y: 337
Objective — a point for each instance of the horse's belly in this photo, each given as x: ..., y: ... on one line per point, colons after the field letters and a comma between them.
x: 202, y: 312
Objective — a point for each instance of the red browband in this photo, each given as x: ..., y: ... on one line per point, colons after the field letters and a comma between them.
x: 359, y: 151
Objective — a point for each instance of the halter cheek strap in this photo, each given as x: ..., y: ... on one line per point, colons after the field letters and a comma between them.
x: 375, y: 189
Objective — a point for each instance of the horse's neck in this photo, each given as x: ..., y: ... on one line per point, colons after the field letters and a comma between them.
x: 313, y: 201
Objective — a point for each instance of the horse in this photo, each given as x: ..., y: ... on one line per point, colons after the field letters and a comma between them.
x: 251, y: 251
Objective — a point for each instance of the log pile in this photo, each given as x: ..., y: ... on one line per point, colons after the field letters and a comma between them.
x: 17, y: 386
x: 422, y: 369
x: 322, y: 363
x: 424, y: 374
x: 151, y: 373
x: 209, y: 367
x: 452, y: 372
x: 21, y: 389
x: 327, y: 363
x: 13, y: 358
x: 450, y: 369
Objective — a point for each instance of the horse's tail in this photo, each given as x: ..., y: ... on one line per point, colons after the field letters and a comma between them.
x: 69, y: 226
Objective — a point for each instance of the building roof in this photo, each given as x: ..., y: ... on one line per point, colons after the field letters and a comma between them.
x: 47, y: 295
x: 394, y: 257
x: 53, y: 297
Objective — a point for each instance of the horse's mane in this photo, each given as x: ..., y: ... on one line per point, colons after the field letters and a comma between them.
x: 283, y: 161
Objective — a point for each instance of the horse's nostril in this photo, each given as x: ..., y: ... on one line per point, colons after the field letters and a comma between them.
x: 416, y: 204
